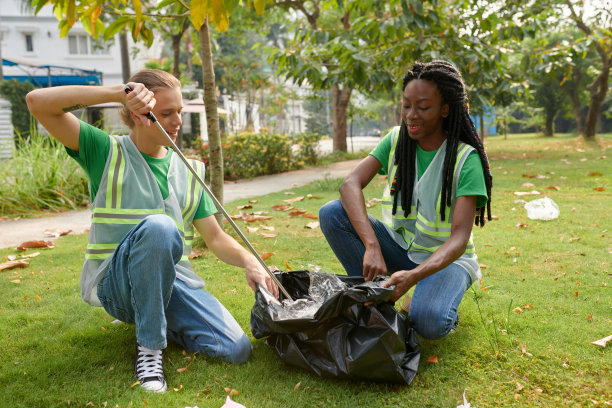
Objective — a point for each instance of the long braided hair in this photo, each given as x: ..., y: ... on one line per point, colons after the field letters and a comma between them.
x: 457, y: 126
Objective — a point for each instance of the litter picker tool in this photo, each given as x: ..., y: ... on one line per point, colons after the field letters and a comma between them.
x: 174, y: 147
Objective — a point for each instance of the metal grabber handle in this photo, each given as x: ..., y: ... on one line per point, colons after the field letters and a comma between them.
x: 174, y: 147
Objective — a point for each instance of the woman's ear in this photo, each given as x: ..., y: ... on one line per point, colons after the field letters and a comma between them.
x: 445, y: 110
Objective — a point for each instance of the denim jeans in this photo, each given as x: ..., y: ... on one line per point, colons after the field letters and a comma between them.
x: 433, y: 310
x: 141, y: 287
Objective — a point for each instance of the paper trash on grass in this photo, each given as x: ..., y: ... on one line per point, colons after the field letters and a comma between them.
x: 231, y: 404
x: 465, y: 403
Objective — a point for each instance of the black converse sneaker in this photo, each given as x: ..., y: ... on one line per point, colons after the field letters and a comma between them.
x: 148, y: 369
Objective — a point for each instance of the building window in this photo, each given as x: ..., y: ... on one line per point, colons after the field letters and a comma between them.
x: 82, y: 44
x: 29, y: 43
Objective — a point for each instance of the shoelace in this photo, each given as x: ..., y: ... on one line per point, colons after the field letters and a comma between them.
x: 149, y: 363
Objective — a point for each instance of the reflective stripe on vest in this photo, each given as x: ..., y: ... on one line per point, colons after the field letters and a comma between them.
x: 424, y: 230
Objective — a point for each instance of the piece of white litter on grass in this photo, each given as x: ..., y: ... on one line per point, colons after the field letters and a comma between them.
x: 465, y: 403
x: 116, y: 321
x: 231, y: 404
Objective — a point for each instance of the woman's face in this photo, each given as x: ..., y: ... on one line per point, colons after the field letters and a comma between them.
x: 423, y: 113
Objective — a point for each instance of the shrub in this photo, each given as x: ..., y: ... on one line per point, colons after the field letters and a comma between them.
x: 15, y: 92
x: 247, y: 155
x: 41, y: 176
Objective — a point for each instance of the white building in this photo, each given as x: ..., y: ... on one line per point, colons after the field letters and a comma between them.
x: 34, y: 40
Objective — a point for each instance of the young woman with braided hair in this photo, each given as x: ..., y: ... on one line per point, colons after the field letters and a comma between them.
x: 439, y: 185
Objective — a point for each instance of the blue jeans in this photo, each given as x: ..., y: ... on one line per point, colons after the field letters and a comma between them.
x: 433, y: 310
x: 141, y: 287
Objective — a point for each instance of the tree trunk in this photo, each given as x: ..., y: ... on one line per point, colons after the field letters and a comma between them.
x: 598, y: 90
x: 340, y: 101
x: 575, y: 98
x: 215, y: 163
x: 549, y: 126
x: 176, y: 52
x: 125, y: 57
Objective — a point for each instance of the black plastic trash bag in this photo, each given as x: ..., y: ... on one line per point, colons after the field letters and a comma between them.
x: 343, y: 338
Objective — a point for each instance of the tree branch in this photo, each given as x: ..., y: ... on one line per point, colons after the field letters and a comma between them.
x: 299, y: 5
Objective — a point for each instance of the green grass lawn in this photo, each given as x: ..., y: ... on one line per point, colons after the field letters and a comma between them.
x: 57, y: 351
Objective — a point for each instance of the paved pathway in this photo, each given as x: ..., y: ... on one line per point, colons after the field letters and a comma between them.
x: 13, y: 233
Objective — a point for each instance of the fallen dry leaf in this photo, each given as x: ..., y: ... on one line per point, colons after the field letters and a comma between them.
x: 266, y: 255
x: 519, y: 386
x: 265, y: 236
x: 521, y: 225
x: 311, y: 216
x: 244, y: 207
x: 32, y: 255
x: 135, y: 384
x: 296, y: 213
x: 310, y: 196
x: 312, y: 225
x: 554, y: 188
x: 599, y: 188
x: 297, y: 386
x: 524, y: 350
x: 574, y: 239
x: 287, y: 265
x: 252, y: 229
x: 20, y: 263
x: 267, y: 228
x: 254, y: 217
x: 527, y: 175
x: 527, y: 185
x: 433, y: 359
x: 602, y: 342
x: 294, y: 199
x: 179, y: 388
x: 595, y: 174
x: 575, y: 293
x: 253, y: 201
x: 238, y: 216
x: 517, y: 310
x: 195, y: 254
x: 37, y: 297
x: 55, y: 233
x: 282, y: 207
x: 35, y: 244
x: 231, y: 391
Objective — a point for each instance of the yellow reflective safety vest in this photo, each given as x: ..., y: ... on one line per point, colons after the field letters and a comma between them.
x: 422, y: 232
x: 127, y: 194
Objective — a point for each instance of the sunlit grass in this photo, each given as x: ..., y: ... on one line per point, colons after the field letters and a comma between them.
x: 56, y: 349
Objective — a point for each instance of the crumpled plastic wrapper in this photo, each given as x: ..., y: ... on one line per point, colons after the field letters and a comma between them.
x: 543, y: 209
x: 322, y: 287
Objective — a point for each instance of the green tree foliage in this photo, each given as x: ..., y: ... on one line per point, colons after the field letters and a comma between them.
x: 141, y: 18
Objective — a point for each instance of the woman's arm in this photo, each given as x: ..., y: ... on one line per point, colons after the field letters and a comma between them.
x: 353, y: 203
x: 231, y: 252
x: 450, y: 251
x: 52, y: 106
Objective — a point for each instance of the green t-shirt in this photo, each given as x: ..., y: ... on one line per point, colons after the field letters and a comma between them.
x: 94, y: 145
x: 471, y: 178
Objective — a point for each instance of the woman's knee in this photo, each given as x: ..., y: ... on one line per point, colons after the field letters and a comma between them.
x: 162, y: 232
x: 240, y: 351
x: 330, y: 213
x: 431, y: 323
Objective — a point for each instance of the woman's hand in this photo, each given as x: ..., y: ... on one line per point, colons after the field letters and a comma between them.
x: 257, y: 275
x: 140, y: 101
x: 403, y: 281
x: 373, y: 264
